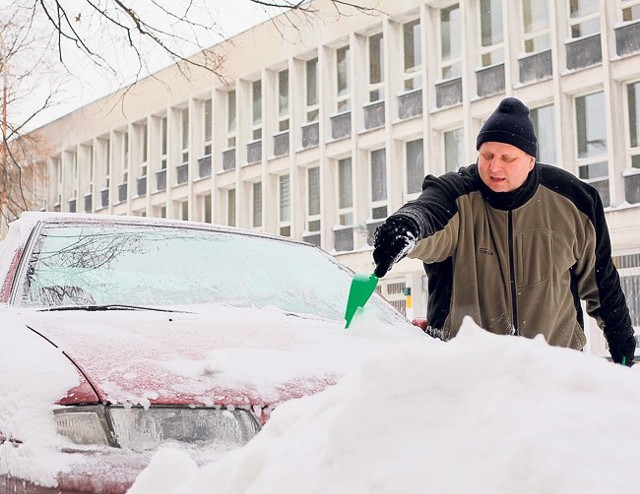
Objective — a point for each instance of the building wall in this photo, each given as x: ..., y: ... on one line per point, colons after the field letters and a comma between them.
x: 445, y: 67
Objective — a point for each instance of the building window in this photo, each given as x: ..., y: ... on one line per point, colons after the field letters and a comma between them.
x: 164, y: 137
x: 284, y: 205
x: 584, y: 17
x: 74, y: 174
x: 536, y: 35
x: 378, y: 161
x: 453, y: 149
x: 207, y: 127
x: 88, y: 153
x: 105, y: 158
x: 343, y: 232
x: 630, y: 10
x: 283, y: 100
x: 145, y: 149
x: 206, y: 208
x: 231, y: 119
x: 256, y: 204
x: 412, y: 44
x: 125, y: 157
x: 311, y: 90
x: 414, y: 166
x: 256, y: 109
x: 633, y: 103
x: 591, y: 133
x: 183, y: 210
x: 450, y: 42
x: 376, y: 68
x: 58, y: 172
x: 184, y: 136
x: 342, y: 79
x: 544, y: 123
x: 313, y: 199
x: 231, y: 207
x: 491, y: 33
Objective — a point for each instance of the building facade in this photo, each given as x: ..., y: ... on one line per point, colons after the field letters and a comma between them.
x: 323, y: 127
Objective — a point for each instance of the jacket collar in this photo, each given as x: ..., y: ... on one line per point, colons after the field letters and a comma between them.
x: 510, y: 200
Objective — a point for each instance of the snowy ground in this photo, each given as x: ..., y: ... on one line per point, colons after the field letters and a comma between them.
x: 481, y: 413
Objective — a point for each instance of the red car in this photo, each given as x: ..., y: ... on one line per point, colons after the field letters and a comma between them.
x: 121, y: 335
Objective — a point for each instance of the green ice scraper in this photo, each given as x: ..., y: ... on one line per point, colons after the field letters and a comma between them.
x: 362, y: 286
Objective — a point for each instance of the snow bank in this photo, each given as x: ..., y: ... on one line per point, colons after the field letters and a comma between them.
x: 28, y: 362
x: 482, y: 413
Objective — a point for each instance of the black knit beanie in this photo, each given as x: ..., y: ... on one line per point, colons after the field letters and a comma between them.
x: 511, y: 124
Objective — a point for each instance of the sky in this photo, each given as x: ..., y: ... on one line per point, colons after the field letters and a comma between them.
x: 85, y: 81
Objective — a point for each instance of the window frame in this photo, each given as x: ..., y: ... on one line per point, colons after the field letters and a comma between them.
x: 312, y: 101
x: 628, y: 4
x: 535, y: 34
x: 207, y: 127
x: 375, y: 88
x: 573, y: 22
x: 498, y: 48
x: 412, y: 75
x: 283, y: 110
x: 125, y: 157
x: 313, y: 218
x: 284, y: 220
x: 632, y: 152
x: 583, y: 162
x: 460, y: 161
x: 257, y: 209
x: 343, y: 88
x: 345, y: 211
x: 454, y: 61
x: 164, y: 141
x: 231, y: 206
x: 376, y: 205
x: 231, y: 104
x: 256, y: 109
x: 410, y: 194
x: 543, y: 140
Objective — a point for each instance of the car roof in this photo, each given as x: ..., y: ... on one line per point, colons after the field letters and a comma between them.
x: 29, y: 219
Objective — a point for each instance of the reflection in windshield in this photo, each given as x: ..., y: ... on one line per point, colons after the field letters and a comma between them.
x: 161, y: 266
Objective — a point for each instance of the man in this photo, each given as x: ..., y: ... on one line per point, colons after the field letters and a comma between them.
x: 513, y: 243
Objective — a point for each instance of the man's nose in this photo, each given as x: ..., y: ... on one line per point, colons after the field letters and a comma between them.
x: 495, y: 165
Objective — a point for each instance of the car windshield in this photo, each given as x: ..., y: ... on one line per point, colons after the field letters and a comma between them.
x: 153, y: 265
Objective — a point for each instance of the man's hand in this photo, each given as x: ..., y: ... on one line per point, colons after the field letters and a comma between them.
x: 623, y: 347
x: 393, y: 240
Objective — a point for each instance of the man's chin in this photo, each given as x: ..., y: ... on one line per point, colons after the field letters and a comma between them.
x: 499, y: 187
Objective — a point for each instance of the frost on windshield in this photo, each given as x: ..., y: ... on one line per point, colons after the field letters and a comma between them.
x: 160, y: 266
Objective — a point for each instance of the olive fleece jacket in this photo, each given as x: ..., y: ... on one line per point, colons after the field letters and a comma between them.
x: 518, y: 262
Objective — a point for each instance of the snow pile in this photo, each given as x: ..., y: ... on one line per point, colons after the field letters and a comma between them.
x: 30, y: 363
x: 482, y: 413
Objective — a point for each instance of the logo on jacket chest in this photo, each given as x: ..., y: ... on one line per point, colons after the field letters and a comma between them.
x: 485, y: 251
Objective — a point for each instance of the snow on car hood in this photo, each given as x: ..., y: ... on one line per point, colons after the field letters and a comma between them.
x: 215, y: 355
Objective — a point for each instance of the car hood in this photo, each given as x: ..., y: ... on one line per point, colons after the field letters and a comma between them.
x: 215, y: 355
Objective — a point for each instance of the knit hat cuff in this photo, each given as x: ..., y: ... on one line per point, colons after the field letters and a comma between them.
x: 506, y: 137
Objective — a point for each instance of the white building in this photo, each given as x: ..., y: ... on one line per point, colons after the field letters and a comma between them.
x: 322, y: 137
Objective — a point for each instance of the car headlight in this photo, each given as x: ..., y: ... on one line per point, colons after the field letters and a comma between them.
x: 142, y: 429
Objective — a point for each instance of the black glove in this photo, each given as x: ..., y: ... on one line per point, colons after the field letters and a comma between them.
x: 393, y: 240
x: 623, y: 347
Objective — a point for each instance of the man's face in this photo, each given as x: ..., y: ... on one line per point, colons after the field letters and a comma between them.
x: 503, y: 167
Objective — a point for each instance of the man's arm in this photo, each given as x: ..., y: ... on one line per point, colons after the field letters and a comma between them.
x: 607, y: 304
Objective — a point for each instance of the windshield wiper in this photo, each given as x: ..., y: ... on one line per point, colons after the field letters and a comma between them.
x: 95, y: 307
